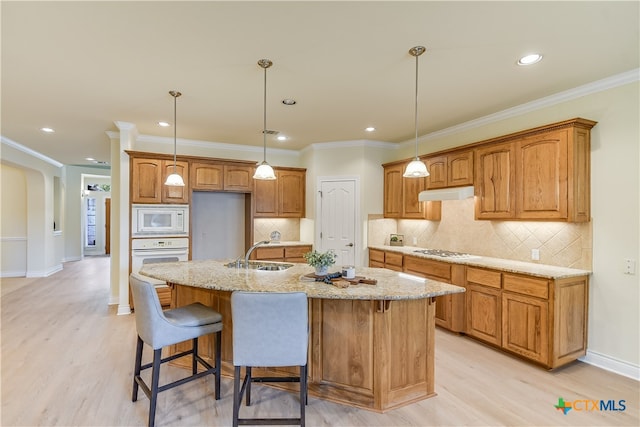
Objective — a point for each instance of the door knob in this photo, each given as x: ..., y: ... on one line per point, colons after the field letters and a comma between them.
x: 350, y: 245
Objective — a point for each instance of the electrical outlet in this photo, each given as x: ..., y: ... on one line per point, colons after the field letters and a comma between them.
x: 415, y: 241
x: 535, y: 254
x: 629, y: 266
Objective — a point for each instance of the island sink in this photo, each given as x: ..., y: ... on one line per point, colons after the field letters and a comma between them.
x: 263, y: 266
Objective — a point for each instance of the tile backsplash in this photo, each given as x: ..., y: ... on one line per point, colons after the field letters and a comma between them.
x: 289, y: 228
x: 561, y: 244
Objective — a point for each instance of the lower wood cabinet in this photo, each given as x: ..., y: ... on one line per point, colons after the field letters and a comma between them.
x: 541, y: 319
x: 281, y: 253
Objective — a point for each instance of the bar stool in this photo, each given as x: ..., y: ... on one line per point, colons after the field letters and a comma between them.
x: 270, y: 329
x: 158, y: 329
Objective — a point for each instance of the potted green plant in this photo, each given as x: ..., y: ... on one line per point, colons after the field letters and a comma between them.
x: 321, y: 261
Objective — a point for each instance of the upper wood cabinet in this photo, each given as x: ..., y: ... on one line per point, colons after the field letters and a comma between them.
x: 401, y: 196
x: 283, y: 197
x: 148, y: 177
x: 495, y: 181
x: 393, y: 191
x: 542, y: 174
x: 450, y: 170
x: 206, y: 176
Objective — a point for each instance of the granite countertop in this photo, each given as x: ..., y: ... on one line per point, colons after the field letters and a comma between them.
x: 286, y: 243
x: 529, y: 268
x: 210, y: 274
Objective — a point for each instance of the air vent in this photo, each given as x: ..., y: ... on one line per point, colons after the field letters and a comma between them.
x: 271, y: 132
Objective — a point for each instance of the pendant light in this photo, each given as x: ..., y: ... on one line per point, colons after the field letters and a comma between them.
x: 174, y: 179
x: 417, y: 168
x: 264, y: 170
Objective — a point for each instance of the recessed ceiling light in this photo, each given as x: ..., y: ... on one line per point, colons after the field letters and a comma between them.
x: 370, y: 129
x: 282, y: 138
x: 47, y: 130
x: 530, y: 59
x: 289, y: 101
x: 163, y: 124
x: 91, y: 159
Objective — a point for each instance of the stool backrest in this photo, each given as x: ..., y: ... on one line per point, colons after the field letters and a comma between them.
x: 148, y: 311
x: 269, y: 328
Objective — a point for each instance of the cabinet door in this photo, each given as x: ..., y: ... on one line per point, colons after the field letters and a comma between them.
x: 460, y: 169
x: 484, y: 313
x: 207, y: 176
x: 525, y: 326
x: 146, y: 180
x: 437, y: 167
x: 495, y: 182
x: 541, y: 176
x: 376, y: 258
x: 170, y: 193
x: 238, y: 178
x: 296, y: 253
x: 393, y: 191
x: 291, y: 193
x: 265, y: 194
x: 393, y: 261
x: 266, y: 253
x: 411, y: 206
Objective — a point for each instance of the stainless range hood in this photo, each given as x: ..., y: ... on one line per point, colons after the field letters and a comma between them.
x: 456, y: 193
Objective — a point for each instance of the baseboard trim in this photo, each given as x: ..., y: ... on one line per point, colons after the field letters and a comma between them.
x: 612, y: 364
x: 45, y: 273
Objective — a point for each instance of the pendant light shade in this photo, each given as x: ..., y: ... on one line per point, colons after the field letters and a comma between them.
x: 264, y: 170
x: 174, y: 179
x: 417, y: 168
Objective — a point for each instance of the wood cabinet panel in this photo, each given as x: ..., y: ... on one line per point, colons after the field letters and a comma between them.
x: 376, y: 255
x: 268, y: 253
x: 525, y: 326
x: 454, y: 169
x: 393, y: 261
x: 207, y: 176
x: 495, y: 182
x: 527, y: 285
x: 238, y: 178
x: 283, y: 197
x: 291, y: 193
x: 393, y: 191
x: 411, y: 206
x: 484, y: 313
x: 436, y: 270
x: 146, y: 176
x: 541, y: 176
x: 172, y: 193
x: 296, y: 253
x: 484, y: 277
x: 570, y: 315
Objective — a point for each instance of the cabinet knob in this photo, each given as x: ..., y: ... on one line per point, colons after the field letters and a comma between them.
x: 350, y: 245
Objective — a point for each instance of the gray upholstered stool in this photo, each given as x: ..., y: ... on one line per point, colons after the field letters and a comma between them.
x: 269, y: 330
x: 159, y: 329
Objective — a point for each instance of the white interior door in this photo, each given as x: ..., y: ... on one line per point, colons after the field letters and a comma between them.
x: 337, y: 205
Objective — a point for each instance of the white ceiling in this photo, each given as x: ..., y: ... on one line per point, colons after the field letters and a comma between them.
x: 79, y: 66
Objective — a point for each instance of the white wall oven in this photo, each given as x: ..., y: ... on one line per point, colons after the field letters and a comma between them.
x: 159, y: 220
x: 148, y: 251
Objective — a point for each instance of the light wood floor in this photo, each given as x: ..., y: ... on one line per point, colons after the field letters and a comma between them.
x: 67, y: 360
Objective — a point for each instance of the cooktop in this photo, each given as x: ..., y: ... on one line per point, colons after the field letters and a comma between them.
x: 445, y: 254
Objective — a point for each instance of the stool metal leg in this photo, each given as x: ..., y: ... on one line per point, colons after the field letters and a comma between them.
x: 155, y: 378
x: 237, y: 397
x: 218, y: 363
x: 303, y: 393
x: 136, y: 369
x: 248, y: 380
x: 194, y: 357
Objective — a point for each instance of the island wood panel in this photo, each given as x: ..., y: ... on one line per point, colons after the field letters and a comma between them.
x: 375, y: 355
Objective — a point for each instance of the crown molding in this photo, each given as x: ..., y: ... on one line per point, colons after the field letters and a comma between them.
x: 30, y: 152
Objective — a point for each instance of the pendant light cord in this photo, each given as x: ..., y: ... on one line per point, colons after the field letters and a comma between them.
x: 175, y: 131
x: 264, y: 125
x: 416, y: 109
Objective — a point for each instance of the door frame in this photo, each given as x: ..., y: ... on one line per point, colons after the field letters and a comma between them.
x: 357, y: 251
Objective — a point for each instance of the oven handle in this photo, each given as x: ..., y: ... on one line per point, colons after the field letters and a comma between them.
x: 156, y: 252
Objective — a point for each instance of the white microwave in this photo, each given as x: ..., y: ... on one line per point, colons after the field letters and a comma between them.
x: 159, y: 220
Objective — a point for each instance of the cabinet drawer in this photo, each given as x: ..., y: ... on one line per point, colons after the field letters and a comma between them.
x: 391, y: 258
x: 269, y: 253
x: 484, y: 277
x: 435, y: 270
x: 533, y: 286
x: 296, y: 251
x: 376, y: 256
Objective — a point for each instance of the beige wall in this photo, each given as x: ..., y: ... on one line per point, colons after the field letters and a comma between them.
x: 13, y: 221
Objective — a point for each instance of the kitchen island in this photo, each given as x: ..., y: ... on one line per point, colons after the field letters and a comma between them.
x: 370, y: 346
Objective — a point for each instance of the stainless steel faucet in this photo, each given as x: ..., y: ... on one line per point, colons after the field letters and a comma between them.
x: 248, y: 254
